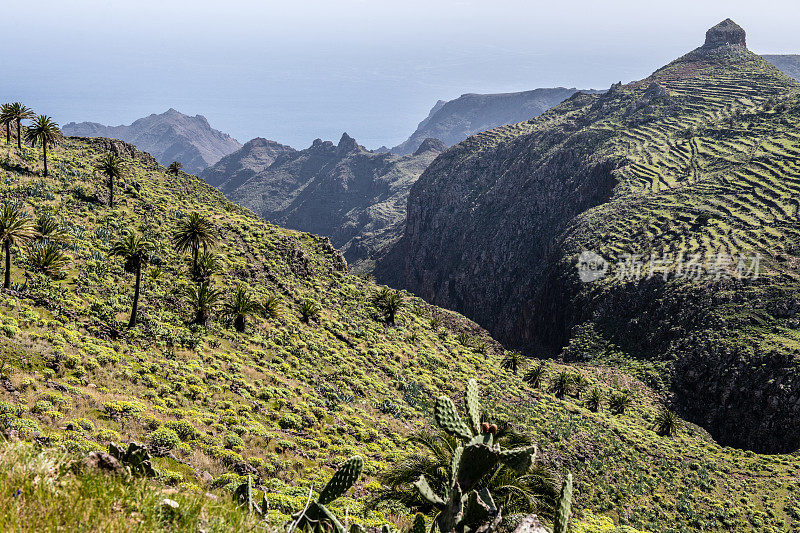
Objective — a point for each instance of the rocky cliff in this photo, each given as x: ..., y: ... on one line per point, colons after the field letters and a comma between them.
x: 170, y: 136
x: 698, y: 160
x: 455, y: 120
x: 354, y: 196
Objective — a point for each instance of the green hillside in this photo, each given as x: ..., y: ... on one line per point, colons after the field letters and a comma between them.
x: 288, y: 400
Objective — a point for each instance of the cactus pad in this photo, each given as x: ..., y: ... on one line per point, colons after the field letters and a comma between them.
x: 561, y: 522
x: 427, y: 492
x: 476, y: 461
x: 472, y: 400
x: 342, y: 480
x: 449, y: 420
x: 519, y: 459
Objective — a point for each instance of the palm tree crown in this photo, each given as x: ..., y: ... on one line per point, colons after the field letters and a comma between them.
x: 7, y: 119
x: 15, y: 227
x: 111, y: 166
x: 18, y: 113
x: 175, y: 168
x: 43, y: 130
x: 240, y: 306
x: 203, y: 298
x: 193, y: 233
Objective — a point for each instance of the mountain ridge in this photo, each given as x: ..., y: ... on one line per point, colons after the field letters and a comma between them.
x: 514, y: 207
x: 169, y: 136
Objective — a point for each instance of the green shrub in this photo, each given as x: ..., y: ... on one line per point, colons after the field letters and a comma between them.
x: 165, y: 438
x: 290, y: 421
x: 183, y: 428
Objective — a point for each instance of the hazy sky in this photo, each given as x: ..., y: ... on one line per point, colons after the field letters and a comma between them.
x: 293, y: 71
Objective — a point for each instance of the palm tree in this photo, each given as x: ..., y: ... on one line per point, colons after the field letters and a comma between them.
x: 193, y: 233
x: 271, y: 306
x: 388, y: 302
x: 47, y: 228
x: 174, y: 168
x: 562, y: 385
x: 18, y: 113
x: 512, y: 361
x: 535, y: 376
x: 203, y: 298
x: 535, y: 491
x: 309, y: 309
x: 15, y: 227
x: 135, y: 250
x: 6, y: 119
x: 594, y: 399
x: 619, y: 401
x: 667, y: 423
x: 45, y: 131
x: 46, y: 257
x: 112, y: 167
x: 240, y: 307
x: 207, y: 266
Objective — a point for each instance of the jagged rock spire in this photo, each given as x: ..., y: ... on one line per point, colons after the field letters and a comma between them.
x: 726, y: 32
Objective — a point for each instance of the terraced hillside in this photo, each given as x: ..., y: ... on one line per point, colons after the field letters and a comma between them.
x: 289, y: 398
x: 701, y: 158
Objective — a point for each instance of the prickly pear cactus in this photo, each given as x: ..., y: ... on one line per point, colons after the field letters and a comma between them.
x: 519, y: 459
x: 564, y: 506
x: 342, y: 480
x: 449, y: 420
x: 136, y: 458
x: 472, y: 400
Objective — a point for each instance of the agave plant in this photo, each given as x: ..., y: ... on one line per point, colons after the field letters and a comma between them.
x: 46, y: 257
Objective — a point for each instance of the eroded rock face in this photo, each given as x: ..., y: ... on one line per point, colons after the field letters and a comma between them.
x: 726, y: 32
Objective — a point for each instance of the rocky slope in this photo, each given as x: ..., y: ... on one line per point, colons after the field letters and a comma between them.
x: 170, y: 136
x: 455, y: 120
x: 287, y: 399
x: 789, y: 64
x: 354, y: 196
x: 699, y: 159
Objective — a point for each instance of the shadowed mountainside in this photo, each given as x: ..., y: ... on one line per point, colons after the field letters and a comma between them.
x: 699, y: 158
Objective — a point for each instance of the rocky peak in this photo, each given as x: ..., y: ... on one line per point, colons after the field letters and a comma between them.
x: 430, y: 145
x: 346, y: 144
x: 726, y: 32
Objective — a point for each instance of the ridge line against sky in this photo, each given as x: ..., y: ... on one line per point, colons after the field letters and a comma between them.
x: 312, y: 69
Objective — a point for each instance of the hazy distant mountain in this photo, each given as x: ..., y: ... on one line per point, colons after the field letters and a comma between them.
x: 354, y: 196
x: 170, y: 136
x: 789, y: 64
x: 453, y: 121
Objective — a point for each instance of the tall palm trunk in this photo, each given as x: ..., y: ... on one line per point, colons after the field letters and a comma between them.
x: 239, y: 323
x: 111, y: 189
x: 8, y: 133
x: 44, y: 148
x: 135, y: 307
x: 7, y: 279
x: 19, y: 134
x: 195, y: 253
